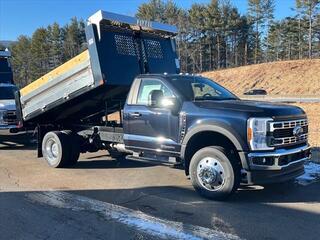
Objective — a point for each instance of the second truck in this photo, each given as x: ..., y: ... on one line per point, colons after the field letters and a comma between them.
x: 131, y: 69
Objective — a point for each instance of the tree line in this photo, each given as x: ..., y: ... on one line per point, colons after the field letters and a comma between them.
x: 216, y: 35
x: 47, y: 48
x: 210, y: 36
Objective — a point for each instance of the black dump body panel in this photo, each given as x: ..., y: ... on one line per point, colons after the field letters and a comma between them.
x: 117, y: 57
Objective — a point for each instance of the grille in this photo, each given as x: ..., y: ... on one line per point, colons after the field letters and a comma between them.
x: 10, y: 118
x: 286, y: 132
x: 283, y: 133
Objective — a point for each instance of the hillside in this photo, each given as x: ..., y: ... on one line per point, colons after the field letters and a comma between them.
x: 286, y: 78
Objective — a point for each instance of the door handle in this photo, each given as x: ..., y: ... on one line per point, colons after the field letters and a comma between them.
x: 135, y: 115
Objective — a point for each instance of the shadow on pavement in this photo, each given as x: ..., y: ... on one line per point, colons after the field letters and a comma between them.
x: 108, y: 164
x: 19, y: 141
x: 250, y: 214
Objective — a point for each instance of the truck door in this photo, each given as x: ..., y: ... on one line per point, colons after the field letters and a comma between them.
x: 149, y: 128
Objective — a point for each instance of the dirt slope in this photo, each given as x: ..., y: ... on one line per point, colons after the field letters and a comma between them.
x: 286, y: 78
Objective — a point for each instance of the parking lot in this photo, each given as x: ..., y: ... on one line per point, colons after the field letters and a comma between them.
x: 101, y: 198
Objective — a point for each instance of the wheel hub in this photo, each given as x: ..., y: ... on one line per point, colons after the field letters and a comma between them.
x: 54, y: 150
x: 210, y: 174
x: 51, y: 150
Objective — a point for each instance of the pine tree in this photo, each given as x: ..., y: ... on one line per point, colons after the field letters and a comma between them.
x: 310, y: 9
x: 152, y: 11
x: 22, y: 61
x: 74, y: 39
x: 40, y: 48
x: 56, y: 45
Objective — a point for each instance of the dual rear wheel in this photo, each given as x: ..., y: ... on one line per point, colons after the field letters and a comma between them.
x: 60, y: 148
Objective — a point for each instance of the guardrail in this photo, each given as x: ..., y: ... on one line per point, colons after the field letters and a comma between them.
x: 283, y: 99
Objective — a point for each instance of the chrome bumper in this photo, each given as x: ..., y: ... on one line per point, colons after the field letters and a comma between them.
x: 275, y: 160
x: 8, y: 126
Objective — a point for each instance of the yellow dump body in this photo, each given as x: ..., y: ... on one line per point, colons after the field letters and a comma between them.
x: 57, y: 85
x: 77, y: 60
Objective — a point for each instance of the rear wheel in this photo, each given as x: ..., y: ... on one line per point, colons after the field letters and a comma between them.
x: 61, y: 149
x: 74, y: 140
x: 213, y: 173
x: 56, y: 149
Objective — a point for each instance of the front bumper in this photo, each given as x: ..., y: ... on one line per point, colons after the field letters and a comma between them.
x: 8, y: 127
x: 276, y: 166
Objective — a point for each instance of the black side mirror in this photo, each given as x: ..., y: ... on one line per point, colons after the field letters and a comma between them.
x: 155, y: 98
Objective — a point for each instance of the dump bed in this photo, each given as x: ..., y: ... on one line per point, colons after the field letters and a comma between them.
x: 119, y: 49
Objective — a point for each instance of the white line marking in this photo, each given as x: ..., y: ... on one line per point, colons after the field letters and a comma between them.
x: 133, y: 219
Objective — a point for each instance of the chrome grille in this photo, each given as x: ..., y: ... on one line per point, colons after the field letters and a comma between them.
x: 282, y: 133
x: 10, y: 118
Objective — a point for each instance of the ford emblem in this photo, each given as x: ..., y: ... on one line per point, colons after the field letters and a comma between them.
x: 298, y: 131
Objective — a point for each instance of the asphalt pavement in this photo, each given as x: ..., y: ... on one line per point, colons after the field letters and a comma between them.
x: 102, y: 198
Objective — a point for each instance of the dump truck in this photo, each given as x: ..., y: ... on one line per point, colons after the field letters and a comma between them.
x: 131, y: 69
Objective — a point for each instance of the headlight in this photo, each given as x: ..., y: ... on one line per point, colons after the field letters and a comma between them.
x: 257, y: 133
x: 1, y: 117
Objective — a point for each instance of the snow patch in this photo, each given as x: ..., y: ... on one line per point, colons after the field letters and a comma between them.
x: 311, y: 175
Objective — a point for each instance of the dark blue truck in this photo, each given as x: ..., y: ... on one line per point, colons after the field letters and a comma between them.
x: 131, y: 68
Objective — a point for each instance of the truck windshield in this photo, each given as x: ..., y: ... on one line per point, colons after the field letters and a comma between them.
x: 201, y: 89
x: 7, y: 93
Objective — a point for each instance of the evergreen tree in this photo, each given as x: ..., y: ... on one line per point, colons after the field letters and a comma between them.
x: 22, y: 61
x: 74, y: 39
x: 260, y: 13
x: 56, y: 45
x: 40, y: 49
x: 310, y: 10
x: 152, y: 11
x: 210, y: 36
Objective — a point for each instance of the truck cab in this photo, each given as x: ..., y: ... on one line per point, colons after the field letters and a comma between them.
x: 131, y: 68
x: 8, y: 119
x: 220, y: 139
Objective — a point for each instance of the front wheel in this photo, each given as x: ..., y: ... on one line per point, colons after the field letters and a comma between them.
x: 213, y: 173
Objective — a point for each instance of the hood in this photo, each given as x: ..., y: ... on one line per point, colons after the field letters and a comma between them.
x: 8, y: 104
x: 254, y: 108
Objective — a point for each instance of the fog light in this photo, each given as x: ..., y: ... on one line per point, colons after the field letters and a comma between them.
x: 265, y: 161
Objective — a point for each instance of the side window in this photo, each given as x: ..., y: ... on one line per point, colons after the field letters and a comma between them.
x: 149, y: 85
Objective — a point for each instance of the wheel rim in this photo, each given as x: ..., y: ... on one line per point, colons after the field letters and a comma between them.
x: 211, y: 174
x: 51, y: 151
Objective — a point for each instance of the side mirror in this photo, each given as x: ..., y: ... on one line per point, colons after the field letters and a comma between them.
x: 158, y: 100
x: 155, y: 98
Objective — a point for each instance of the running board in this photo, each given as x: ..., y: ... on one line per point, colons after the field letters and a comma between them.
x: 170, y: 162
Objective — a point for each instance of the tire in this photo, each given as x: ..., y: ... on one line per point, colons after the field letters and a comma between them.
x: 214, y: 174
x: 56, y: 149
x: 75, y: 147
